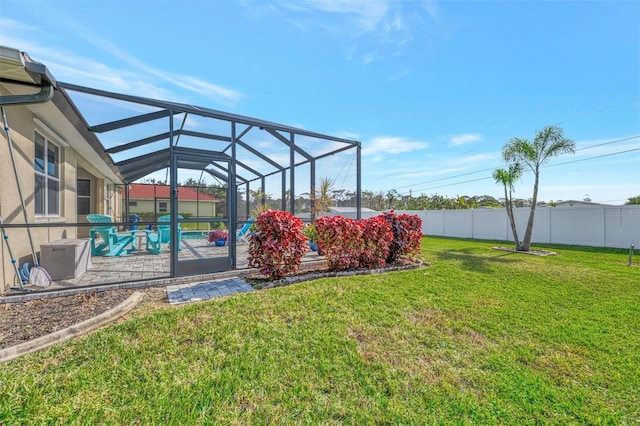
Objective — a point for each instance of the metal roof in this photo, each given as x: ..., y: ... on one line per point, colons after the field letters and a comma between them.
x: 148, y: 136
x: 223, y: 142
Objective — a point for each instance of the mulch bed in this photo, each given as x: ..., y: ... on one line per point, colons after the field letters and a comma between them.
x: 261, y: 282
x: 24, y: 321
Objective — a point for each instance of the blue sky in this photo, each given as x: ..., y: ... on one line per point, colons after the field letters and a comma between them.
x: 433, y: 89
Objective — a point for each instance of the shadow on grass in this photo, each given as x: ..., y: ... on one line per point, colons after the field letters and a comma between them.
x: 469, y: 259
x: 545, y: 246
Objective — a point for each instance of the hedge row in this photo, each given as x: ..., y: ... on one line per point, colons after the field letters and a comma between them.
x: 278, y: 243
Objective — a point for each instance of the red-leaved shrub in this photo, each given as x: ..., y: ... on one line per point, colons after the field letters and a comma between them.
x: 377, y: 238
x: 407, y: 235
x: 277, y: 244
x: 340, y: 240
x: 218, y: 234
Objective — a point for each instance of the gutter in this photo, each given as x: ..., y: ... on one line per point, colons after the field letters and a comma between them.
x: 44, y: 95
x: 18, y: 68
x: 21, y: 69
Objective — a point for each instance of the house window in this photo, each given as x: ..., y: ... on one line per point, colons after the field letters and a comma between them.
x: 133, y: 204
x: 162, y: 207
x: 47, y: 177
x: 84, y: 196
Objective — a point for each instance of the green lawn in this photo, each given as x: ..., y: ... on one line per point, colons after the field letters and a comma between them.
x: 481, y: 336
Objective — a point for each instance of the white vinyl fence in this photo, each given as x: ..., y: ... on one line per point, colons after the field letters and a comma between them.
x: 598, y: 226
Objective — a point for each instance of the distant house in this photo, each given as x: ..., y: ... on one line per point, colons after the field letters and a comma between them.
x: 151, y: 198
x: 350, y: 210
x: 578, y: 203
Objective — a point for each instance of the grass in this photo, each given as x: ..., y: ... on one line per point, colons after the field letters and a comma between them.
x: 481, y: 336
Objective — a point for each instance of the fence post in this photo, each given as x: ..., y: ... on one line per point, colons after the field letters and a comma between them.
x: 550, y: 216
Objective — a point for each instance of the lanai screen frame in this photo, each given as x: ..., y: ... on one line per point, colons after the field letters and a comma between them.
x: 141, y: 166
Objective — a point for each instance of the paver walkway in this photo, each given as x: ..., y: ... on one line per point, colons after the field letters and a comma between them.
x: 184, y: 293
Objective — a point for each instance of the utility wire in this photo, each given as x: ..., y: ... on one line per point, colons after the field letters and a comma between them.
x: 608, y: 107
x: 632, y: 75
x: 343, y: 167
x: 346, y: 174
x: 593, y: 158
x: 528, y: 171
x: 626, y: 77
x: 445, y: 178
x: 493, y: 168
x: 567, y: 120
x: 609, y: 143
x: 451, y: 184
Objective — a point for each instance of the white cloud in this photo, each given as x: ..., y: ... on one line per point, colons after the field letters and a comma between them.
x: 433, y: 172
x: 401, y: 75
x: 135, y: 77
x: 190, y: 83
x: 265, y: 144
x: 391, y: 145
x: 370, y: 57
x: 366, y: 14
x: 370, y: 30
x: 431, y: 7
x: 464, y: 139
x: 204, y: 88
x: 347, y: 135
x: 477, y: 160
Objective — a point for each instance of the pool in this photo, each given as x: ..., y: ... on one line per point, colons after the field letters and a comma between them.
x: 195, y: 234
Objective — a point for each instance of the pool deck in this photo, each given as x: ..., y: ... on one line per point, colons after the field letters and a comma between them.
x: 140, y: 269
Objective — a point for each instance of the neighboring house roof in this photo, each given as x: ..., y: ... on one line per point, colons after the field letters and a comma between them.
x: 141, y: 191
x: 578, y: 203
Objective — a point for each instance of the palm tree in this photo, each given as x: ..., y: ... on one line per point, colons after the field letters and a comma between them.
x: 549, y: 142
x: 507, y: 177
x: 259, y: 202
x: 322, y: 198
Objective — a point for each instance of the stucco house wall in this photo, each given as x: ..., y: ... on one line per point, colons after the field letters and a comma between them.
x: 190, y: 201
x: 206, y: 208
x: 23, y: 123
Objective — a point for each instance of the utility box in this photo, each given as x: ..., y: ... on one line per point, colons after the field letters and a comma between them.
x: 66, y: 259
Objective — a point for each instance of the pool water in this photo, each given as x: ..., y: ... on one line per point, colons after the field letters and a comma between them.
x: 194, y: 235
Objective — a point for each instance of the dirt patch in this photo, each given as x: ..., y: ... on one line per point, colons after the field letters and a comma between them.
x: 261, y: 282
x: 25, y: 321
x: 531, y: 252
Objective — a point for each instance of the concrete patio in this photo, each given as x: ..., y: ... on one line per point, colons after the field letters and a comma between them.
x: 143, y: 269
x: 142, y: 265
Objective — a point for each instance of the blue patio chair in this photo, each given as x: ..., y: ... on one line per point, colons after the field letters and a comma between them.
x: 243, y: 233
x: 155, y: 239
x: 113, y: 243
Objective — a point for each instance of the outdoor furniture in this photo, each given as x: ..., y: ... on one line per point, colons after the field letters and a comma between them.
x: 155, y: 239
x: 66, y: 258
x: 113, y: 243
x: 243, y: 233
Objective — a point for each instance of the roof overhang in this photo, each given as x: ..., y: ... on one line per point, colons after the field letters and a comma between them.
x: 19, y: 67
x: 20, y: 76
